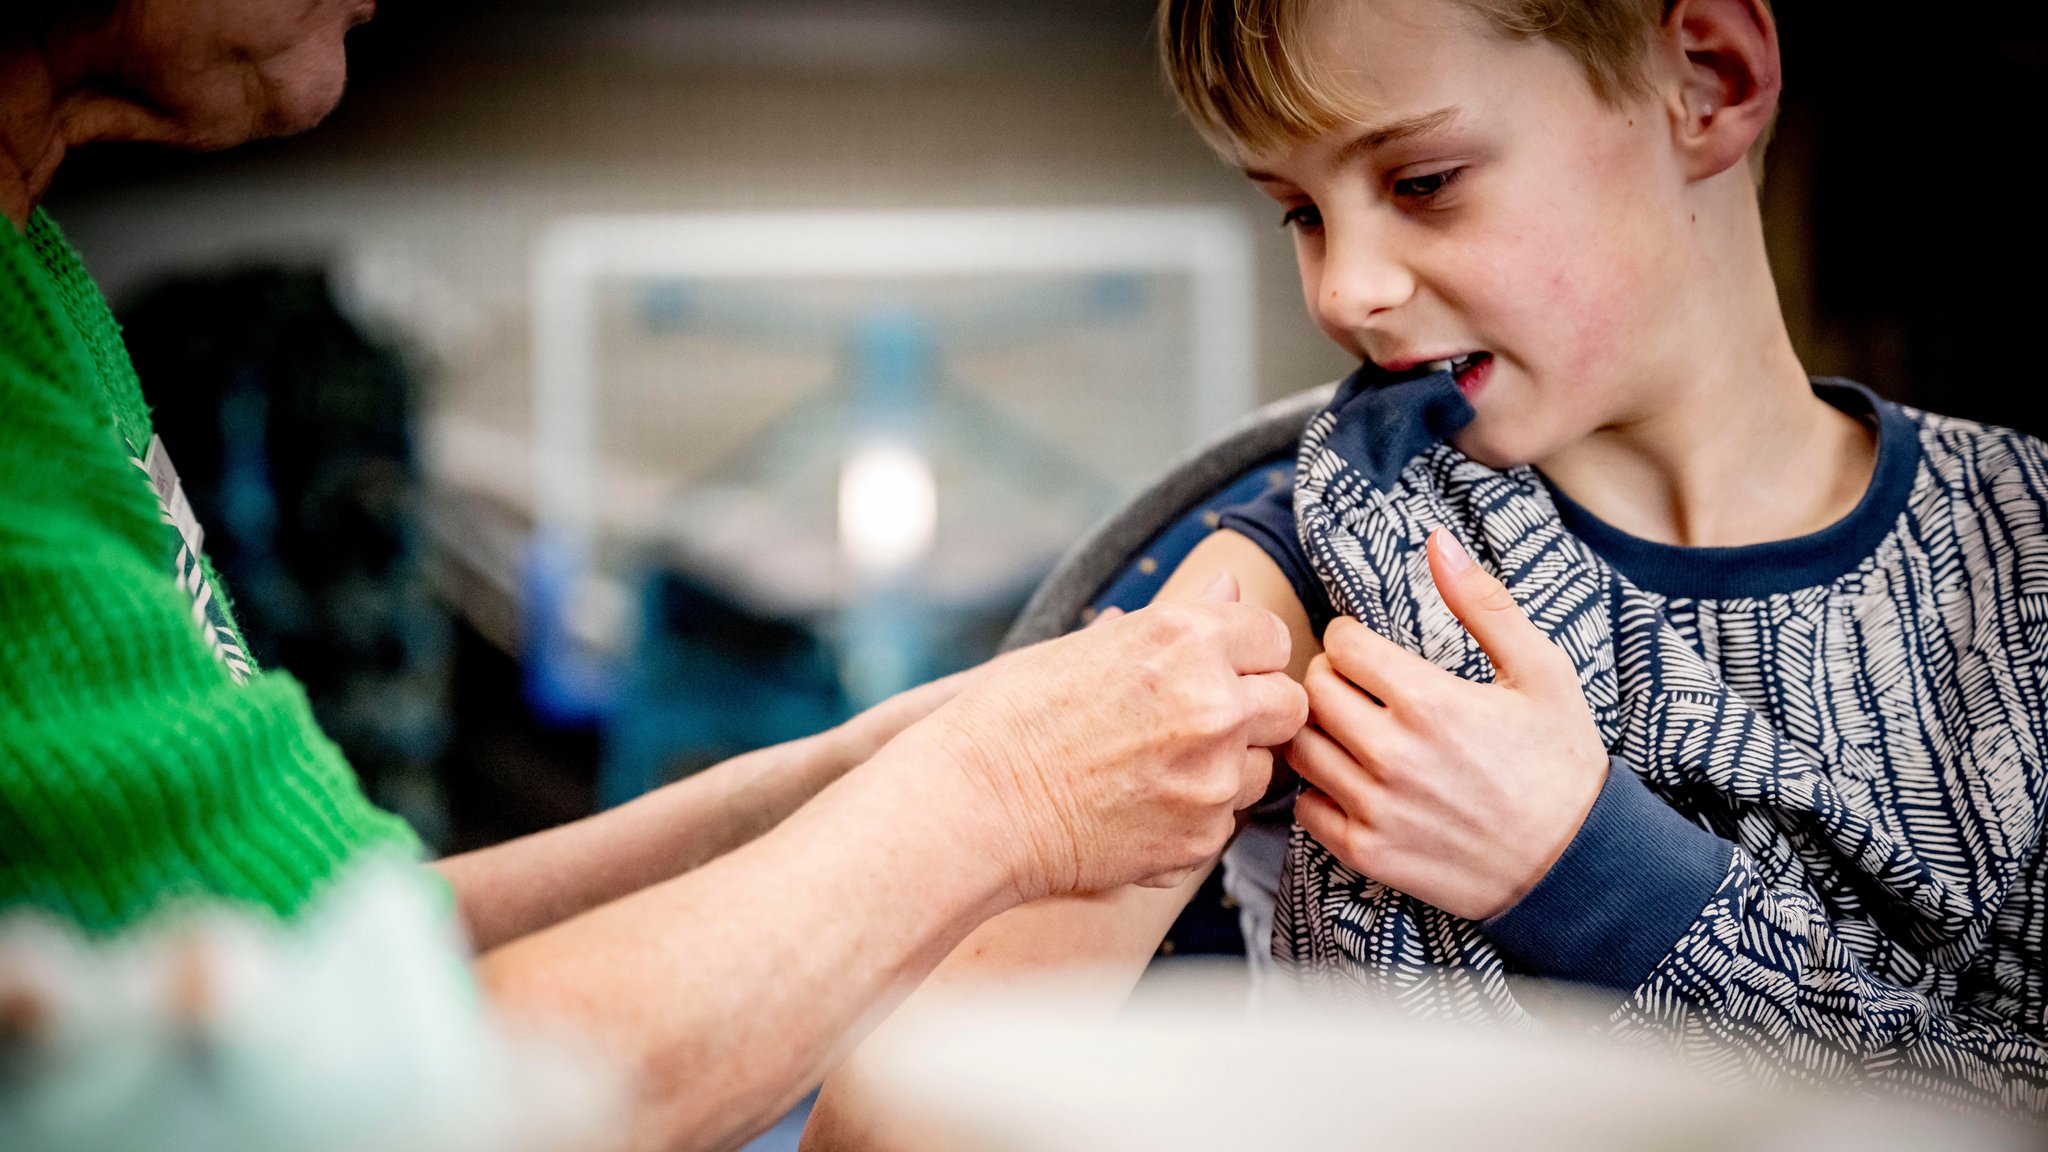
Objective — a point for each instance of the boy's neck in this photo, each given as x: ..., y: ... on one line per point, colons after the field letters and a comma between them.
x: 1731, y: 446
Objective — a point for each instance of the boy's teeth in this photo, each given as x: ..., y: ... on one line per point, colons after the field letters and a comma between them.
x: 1435, y: 366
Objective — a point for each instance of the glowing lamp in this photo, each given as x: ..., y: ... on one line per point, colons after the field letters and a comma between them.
x: 888, y: 508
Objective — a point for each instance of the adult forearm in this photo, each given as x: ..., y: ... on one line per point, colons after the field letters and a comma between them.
x: 509, y: 890
x: 1111, y: 756
x: 733, y: 988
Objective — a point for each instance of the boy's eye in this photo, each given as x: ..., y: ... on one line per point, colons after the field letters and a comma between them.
x: 1426, y: 186
x: 1305, y: 218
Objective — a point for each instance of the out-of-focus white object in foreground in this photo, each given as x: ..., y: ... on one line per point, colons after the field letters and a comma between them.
x: 1188, y: 1068
x: 358, y: 1028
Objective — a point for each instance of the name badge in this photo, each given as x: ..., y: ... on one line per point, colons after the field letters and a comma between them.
x: 170, y: 494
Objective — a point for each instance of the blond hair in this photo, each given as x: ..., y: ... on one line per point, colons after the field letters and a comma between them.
x: 1246, y: 76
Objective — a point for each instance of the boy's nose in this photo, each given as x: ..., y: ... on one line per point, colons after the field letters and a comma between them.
x: 1359, y: 282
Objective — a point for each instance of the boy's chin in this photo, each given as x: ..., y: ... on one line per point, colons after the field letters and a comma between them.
x: 1495, y: 451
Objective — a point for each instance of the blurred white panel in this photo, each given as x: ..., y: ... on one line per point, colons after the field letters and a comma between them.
x: 702, y: 381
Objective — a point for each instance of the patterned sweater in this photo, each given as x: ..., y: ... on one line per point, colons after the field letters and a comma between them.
x: 143, y: 759
x: 1818, y: 854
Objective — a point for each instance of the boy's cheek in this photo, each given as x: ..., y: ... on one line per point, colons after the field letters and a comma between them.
x: 1574, y: 377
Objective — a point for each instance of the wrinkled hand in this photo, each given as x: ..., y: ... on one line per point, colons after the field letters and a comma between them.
x: 861, y: 737
x: 1459, y: 794
x: 1122, y: 753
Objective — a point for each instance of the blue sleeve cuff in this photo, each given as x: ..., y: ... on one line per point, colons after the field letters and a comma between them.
x: 1633, y: 880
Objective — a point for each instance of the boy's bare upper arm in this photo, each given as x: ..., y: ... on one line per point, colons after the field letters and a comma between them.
x: 1098, y: 945
x: 1260, y: 581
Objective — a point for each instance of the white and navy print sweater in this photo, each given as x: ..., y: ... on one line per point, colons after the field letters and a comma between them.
x: 1818, y: 853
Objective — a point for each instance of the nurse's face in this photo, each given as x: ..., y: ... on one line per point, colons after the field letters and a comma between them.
x: 215, y: 73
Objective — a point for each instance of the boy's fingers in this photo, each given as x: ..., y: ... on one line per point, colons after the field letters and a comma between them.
x: 1372, y: 661
x: 1520, y: 652
x: 1322, y: 819
x: 1326, y: 767
x: 1341, y: 708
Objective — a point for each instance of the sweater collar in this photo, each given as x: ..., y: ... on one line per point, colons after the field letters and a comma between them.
x: 1777, y: 566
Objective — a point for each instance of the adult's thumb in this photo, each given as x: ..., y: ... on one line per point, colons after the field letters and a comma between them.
x: 1520, y: 652
x: 1222, y: 590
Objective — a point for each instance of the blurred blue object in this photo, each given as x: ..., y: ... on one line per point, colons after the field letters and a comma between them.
x: 567, y: 684
x: 788, y: 1131
x: 710, y: 679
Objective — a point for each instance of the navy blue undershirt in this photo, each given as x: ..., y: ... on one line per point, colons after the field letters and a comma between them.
x: 1637, y: 874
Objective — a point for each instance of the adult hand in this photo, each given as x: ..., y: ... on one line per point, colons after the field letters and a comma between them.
x: 1459, y: 794
x: 861, y: 737
x: 1122, y: 753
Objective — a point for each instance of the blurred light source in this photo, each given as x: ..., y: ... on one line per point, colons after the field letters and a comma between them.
x: 888, y: 508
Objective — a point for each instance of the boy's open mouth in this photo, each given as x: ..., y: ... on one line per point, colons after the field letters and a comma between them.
x: 1469, y: 370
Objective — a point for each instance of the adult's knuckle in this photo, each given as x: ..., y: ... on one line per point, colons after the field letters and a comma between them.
x: 1398, y: 770
x: 1218, y: 788
x: 1425, y: 700
x: 1258, y: 771
x: 1213, y: 714
x: 1211, y: 625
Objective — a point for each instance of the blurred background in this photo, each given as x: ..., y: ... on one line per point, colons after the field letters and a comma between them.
x: 611, y: 387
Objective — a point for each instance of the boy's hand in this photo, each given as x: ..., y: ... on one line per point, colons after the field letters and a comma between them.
x: 1459, y: 794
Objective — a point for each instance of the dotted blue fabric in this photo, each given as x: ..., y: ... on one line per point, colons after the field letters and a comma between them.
x: 1137, y: 584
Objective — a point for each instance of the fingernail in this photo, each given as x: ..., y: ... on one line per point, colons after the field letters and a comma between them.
x: 1109, y: 613
x: 1456, y: 559
x: 1223, y: 587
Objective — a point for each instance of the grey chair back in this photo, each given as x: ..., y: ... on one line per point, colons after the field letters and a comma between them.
x: 1114, y: 544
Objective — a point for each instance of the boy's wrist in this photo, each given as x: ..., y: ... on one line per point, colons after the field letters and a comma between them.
x: 1625, y: 890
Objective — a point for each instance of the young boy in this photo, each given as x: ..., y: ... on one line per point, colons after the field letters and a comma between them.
x: 1777, y: 786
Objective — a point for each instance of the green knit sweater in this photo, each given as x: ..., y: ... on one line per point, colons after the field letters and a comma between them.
x: 142, y: 759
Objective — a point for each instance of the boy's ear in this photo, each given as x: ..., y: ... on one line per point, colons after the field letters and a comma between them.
x: 1724, y: 61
